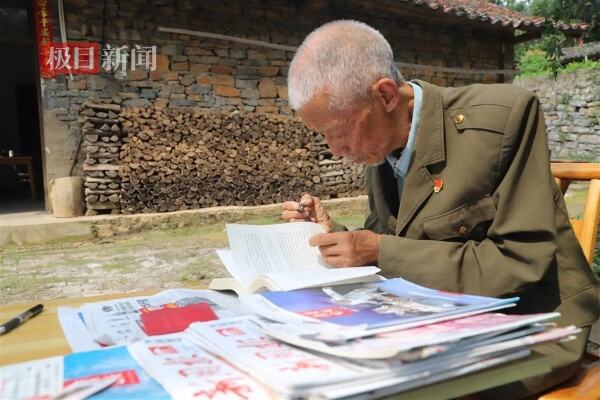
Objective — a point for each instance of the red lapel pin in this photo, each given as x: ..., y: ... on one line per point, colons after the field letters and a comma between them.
x: 437, y: 185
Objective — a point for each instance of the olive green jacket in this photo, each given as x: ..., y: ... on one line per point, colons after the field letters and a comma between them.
x: 480, y: 212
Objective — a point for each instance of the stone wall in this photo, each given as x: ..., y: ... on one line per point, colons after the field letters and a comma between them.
x: 200, y: 72
x: 571, y: 105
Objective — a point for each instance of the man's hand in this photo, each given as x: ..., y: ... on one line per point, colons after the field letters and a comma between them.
x: 348, y: 249
x: 309, y: 209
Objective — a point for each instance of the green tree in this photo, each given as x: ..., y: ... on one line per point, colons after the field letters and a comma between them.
x: 569, y: 11
x: 542, y: 8
x: 517, y: 5
x: 553, y: 39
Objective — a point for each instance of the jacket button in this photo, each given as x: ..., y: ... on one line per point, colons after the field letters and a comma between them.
x: 464, y: 230
x: 459, y: 119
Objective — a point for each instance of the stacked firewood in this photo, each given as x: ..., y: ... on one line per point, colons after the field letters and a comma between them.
x: 340, y: 177
x: 177, y: 159
x: 102, y: 142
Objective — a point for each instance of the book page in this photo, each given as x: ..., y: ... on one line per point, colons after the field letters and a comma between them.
x: 281, y: 252
x: 308, y: 278
x: 261, y: 249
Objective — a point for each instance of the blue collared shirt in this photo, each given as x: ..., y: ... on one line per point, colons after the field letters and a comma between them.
x: 400, y: 165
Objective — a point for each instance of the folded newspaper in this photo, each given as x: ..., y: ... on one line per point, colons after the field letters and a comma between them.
x: 118, y: 321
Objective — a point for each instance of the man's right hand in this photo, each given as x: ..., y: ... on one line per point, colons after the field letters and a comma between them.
x: 308, y: 209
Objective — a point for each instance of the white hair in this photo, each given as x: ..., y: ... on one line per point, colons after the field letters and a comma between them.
x: 343, y: 57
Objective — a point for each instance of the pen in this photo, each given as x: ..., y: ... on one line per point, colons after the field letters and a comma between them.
x: 19, y: 319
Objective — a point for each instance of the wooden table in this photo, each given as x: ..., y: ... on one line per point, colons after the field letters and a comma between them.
x: 42, y: 337
x: 27, y: 161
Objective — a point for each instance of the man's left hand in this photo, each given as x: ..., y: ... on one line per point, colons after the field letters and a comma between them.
x: 347, y: 249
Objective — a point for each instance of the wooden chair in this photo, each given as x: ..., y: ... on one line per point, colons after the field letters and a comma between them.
x: 585, y: 229
x: 586, y: 384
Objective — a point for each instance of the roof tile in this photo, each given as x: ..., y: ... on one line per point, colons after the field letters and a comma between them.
x: 484, y: 11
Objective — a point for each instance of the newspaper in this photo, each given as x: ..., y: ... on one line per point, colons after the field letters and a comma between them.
x: 118, y: 321
x: 287, y: 369
x: 187, y: 371
x: 78, y: 375
x: 31, y: 379
x: 76, y: 332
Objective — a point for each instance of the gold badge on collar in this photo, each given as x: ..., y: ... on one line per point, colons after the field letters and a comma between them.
x: 437, y: 185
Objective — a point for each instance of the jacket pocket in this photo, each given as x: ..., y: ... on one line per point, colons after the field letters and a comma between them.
x: 467, y: 222
x: 491, y: 118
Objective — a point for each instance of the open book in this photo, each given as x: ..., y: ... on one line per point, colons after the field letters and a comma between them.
x: 278, y: 257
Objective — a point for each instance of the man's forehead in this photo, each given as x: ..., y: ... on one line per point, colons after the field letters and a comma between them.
x: 319, y: 111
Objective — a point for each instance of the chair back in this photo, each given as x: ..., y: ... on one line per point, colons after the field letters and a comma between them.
x: 586, y: 229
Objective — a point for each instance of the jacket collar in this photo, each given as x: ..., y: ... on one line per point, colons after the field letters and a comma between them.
x: 429, y: 149
x: 429, y: 142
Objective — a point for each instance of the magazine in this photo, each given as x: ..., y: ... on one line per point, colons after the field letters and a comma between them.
x: 409, y: 344
x: 278, y: 257
x: 295, y: 372
x: 369, y: 308
x: 401, y: 377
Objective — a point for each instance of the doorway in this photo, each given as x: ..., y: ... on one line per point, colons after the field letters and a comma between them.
x: 21, y: 166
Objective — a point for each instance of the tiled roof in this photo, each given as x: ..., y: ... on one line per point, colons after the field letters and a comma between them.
x: 590, y: 50
x: 484, y: 11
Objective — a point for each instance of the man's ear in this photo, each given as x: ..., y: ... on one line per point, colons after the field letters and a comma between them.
x: 387, y: 92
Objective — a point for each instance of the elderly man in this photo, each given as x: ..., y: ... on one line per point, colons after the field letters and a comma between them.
x: 461, y: 197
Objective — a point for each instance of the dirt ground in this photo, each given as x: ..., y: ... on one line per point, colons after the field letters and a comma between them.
x: 153, y: 259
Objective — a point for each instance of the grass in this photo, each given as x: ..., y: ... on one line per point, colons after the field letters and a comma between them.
x: 12, y: 283
x: 117, y: 265
x: 542, y: 69
x: 191, y: 273
x: 350, y: 221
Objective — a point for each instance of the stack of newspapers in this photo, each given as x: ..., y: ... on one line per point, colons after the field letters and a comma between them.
x: 362, y: 336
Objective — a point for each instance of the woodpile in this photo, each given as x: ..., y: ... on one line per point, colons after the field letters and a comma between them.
x: 142, y: 160
x: 181, y: 159
x: 340, y: 177
x: 102, y: 136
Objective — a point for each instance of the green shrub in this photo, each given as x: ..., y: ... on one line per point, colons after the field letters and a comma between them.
x: 534, y: 62
x: 574, y: 66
